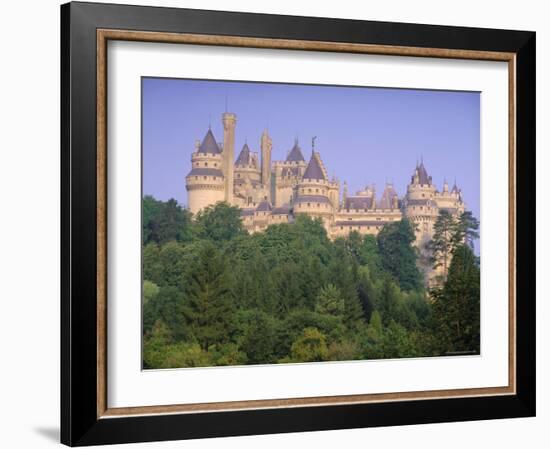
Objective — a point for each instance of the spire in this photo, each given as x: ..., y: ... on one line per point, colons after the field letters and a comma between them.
x: 455, y: 188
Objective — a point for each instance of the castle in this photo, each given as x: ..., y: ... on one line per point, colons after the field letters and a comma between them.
x: 270, y: 192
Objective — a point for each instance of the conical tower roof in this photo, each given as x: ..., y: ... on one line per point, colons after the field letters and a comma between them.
x: 423, y: 174
x: 295, y: 154
x: 244, y: 156
x: 314, y: 169
x: 209, y: 144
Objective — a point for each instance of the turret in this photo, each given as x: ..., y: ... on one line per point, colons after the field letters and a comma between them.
x: 205, y: 182
x: 229, y: 121
x: 345, y: 194
x: 266, y: 147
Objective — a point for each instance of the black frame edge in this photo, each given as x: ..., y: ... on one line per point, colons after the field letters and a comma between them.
x: 79, y: 423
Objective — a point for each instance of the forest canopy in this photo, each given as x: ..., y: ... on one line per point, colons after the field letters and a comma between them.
x: 215, y: 295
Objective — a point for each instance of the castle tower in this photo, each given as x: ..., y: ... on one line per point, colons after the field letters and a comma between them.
x: 288, y: 174
x: 266, y: 146
x: 420, y: 206
x: 317, y: 196
x: 248, y: 188
x: 345, y: 195
x: 205, y: 182
x: 229, y: 121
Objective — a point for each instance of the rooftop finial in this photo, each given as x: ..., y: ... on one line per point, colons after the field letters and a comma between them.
x: 225, y: 101
x: 210, y: 121
x: 313, y: 144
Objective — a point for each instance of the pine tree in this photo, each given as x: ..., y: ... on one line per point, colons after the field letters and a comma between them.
x: 395, y: 244
x: 466, y: 230
x: 456, y: 305
x: 209, y: 309
x: 442, y: 242
x: 330, y: 301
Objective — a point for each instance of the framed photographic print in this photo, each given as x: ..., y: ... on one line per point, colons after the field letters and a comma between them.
x: 277, y: 224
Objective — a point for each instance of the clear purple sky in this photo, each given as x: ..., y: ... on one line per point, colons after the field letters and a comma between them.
x: 364, y: 135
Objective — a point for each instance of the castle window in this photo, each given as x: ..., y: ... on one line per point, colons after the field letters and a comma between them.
x: 309, y: 190
x: 316, y: 190
x: 215, y: 164
x: 196, y: 177
x: 378, y: 218
x: 423, y: 195
x: 318, y: 205
x: 206, y: 164
x: 421, y: 207
x: 205, y: 177
x: 214, y: 178
x: 308, y: 204
x: 341, y: 227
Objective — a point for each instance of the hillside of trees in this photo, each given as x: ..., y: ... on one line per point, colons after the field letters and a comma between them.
x: 215, y: 295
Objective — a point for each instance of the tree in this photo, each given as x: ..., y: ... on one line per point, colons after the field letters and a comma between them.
x: 388, y: 302
x: 209, y: 308
x: 220, y: 222
x: 456, y: 305
x: 395, y: 244
x: 311, y: 346
x: 466, y: 230
x: 443, y: 240
x: 259, y: 339
x: 330, y: 301
x: 150, y: 291
x: 165, y: 221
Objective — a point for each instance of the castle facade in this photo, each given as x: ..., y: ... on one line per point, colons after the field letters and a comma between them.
x: 270, y: 192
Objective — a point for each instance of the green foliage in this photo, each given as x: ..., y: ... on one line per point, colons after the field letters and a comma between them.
x: 219, y: 223
x: 395, y: 242
x: 150, y: 291
x: 214, y: 295
x: 441, y: 245
x: 330, y: 301
x: 456, y: 305
x: 165, y: 221
x: 466, y: 230
x: 310, y: 346
x: 209, y: 308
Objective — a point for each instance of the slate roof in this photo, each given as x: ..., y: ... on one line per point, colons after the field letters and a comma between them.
x: 423, y: 175
x: 312, y: 199
x: 282, y: 210
x: 314, y: 170
x: 295, y: 154
x: 360, y: 223
x: 386, y: 201
x: 422, y: 202
x: 205, y: 172
x: 358, y: 202
x: 209, y: 144
x: 247, y: 212
x: 264, y: 206
x: 244, y: 156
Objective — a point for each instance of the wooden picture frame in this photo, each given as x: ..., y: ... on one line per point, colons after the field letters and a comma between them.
x: 85, y: 416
